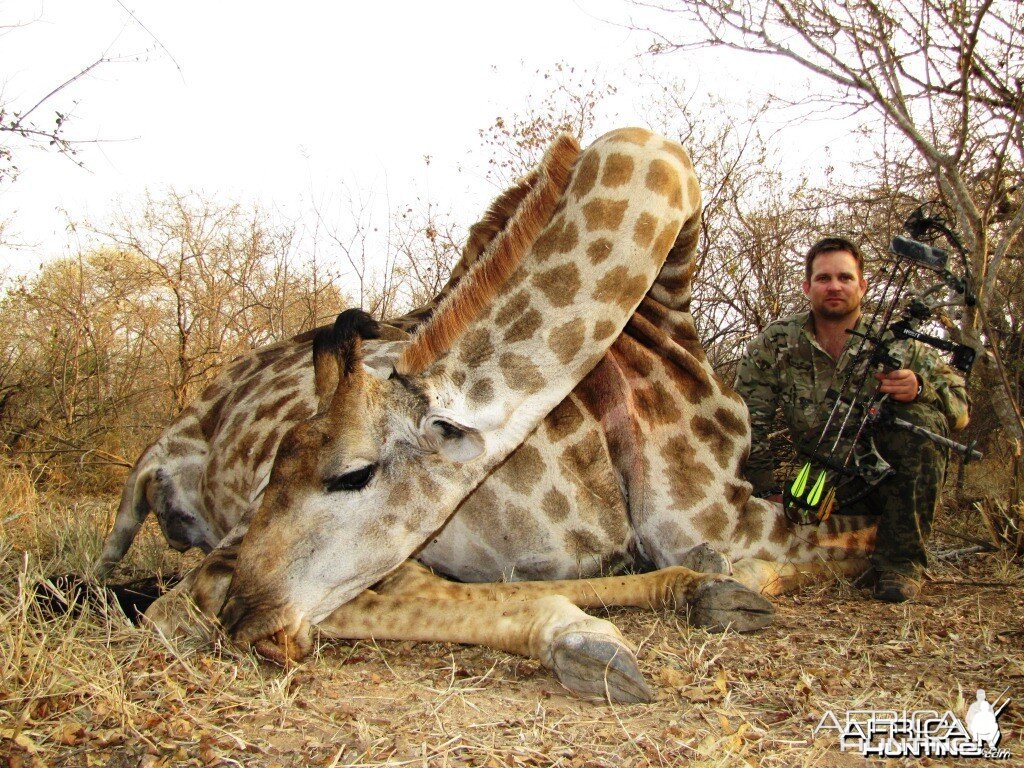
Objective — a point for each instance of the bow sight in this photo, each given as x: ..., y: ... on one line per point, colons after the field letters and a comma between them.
x: 842, y: 463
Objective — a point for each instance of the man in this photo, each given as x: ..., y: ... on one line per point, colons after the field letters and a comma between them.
x: 794, y: 362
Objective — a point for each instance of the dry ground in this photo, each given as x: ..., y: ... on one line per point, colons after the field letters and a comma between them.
x: 92, y: 690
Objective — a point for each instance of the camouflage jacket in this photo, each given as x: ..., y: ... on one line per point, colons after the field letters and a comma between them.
x: 786, y: 369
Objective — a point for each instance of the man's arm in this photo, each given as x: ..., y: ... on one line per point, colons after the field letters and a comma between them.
x: 757, y: 382
x: 942, y: 386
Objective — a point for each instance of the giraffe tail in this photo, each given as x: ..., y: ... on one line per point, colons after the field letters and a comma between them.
x: 131, y: 513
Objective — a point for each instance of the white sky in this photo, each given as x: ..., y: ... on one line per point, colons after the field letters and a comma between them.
x: 282, y: 102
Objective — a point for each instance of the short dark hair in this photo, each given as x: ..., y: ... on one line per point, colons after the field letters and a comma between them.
x: 833, y: 245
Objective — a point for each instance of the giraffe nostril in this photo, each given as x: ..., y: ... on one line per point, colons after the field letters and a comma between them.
x: 234, y: 610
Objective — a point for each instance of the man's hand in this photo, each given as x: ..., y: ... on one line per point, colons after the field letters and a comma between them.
x: 902, y: 385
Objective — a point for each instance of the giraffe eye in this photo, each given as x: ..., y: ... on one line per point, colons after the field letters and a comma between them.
x: 355, y: 480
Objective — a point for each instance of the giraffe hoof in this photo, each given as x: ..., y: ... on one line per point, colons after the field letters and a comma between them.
x: 706, y: 559
x: 595, y: 665
x: 728, y: 604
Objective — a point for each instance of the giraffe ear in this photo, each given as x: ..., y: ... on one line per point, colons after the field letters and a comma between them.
x: 456, y: 441
x: 337, y: 352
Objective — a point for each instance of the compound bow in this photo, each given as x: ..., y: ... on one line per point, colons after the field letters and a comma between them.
x: 842, y: 462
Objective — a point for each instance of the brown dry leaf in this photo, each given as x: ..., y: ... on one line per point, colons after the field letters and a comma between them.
x: 720, y: 681
x: 673, y: 678
x: 20, y: 739
x: 69, y: 734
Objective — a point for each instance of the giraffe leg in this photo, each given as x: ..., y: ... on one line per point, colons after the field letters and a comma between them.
x: 588, y: 654
x: 713, y: 600
x: 772, y: 578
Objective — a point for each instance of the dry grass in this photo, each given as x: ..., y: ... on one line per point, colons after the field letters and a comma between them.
x: 91, y: 690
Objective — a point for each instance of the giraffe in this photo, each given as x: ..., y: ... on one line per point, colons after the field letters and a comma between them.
x: 552, y: 420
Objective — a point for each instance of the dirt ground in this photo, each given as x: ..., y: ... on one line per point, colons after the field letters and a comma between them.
x: 91, y: 690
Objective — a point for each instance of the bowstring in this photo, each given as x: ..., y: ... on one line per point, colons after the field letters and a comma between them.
x: 856, y: 356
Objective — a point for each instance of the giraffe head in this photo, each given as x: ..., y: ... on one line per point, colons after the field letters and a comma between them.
x: 346, y: 499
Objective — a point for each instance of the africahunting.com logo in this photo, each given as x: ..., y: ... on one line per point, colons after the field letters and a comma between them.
x: 921, y: 733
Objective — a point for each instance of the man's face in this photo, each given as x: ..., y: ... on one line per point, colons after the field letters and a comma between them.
x: 836, y: 287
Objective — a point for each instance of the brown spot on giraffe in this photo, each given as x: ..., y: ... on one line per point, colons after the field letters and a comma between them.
x: 603, y: 329
x: 663, y: 179
x: 679, y: 153
x: 555, y: 505
x: 523, y: 328
x: 523, y: 469
x: 586, y: 175
x: 399, y: 495
x: 563, y: 421
x: 619, y: 287
x: 645, y: 229
x: 712, y: 522
x: 476, y: 349
x: 270, y: 407
x: 481, y: 392
x: 521, y: 373
x: 559, y: 237
x: 567, y: 339
x: 602, y: 213
x: 655, y: 405
x: 636, y: 136
x: 618, y: 170
x: 688, y: 477
x: 663, y: 242
x: 708, y: 432
x: 513, y: 308
x: 559, y: 285
x: 582, y: 544
x: 780, y: 532
x: 599, y: 250
x: 265, y: 451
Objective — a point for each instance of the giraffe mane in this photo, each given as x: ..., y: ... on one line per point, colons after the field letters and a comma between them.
x: 504, y: 235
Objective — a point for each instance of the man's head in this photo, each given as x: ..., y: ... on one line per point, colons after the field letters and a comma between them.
x: 834, y: 282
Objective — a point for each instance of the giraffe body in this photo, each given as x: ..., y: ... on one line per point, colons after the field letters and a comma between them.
x: 554, y: 418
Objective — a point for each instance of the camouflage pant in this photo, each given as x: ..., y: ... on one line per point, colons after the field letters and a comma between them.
x: 906, y: 501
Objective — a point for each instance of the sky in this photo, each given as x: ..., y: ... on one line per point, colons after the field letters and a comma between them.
x: 285, y: 103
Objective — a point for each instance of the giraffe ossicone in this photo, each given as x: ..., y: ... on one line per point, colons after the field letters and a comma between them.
x: 551, y: 422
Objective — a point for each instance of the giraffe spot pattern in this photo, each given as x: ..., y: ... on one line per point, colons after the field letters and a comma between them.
x: 560, y: 236
x: 555, y: 505
x: 520, y: 373
x: 603, y: 213
x: 563, y: 420
x: 524, y: 327
x: 586, y: 174
x: 663, y: 179
x: 523, y: 469
x: 513, y: 308
x: 481, y: 392
x: 582, y: 544
x: 655, y: 404
x: 636, y: 136
x: 712, y: 522
x: 714, y: 438
x: 618, y: 170
x: 645, y: 229
x: 559, y: 284
x: 476, y: 348
x: 618, y: 287
x: 665, y: 239
x: 567, y: 339
x: 603, y: 329
x: 679, y: 153
x: 688, y: 477
x: 599, y: 250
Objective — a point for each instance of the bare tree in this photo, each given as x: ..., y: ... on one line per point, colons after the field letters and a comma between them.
x: 945, y: 76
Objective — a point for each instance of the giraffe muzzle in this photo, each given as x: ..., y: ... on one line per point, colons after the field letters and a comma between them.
x: 273, y: 632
